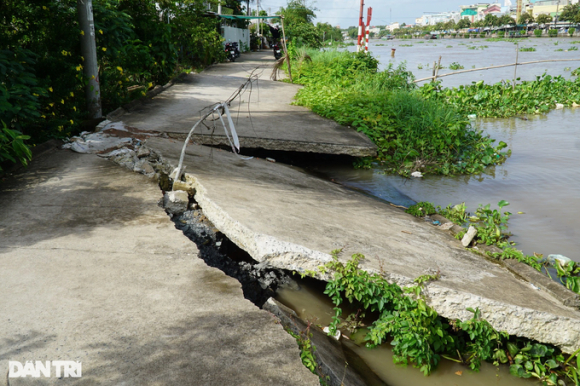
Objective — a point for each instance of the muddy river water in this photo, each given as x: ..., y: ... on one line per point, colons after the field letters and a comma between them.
x: 541, y: 180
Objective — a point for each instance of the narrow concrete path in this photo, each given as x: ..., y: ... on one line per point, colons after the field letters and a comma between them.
x: 92, y: 270
x: 288, y: 219
x: 263, y: 116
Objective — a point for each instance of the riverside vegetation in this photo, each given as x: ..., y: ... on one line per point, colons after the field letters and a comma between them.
x: 421, y: 337
x: 492, y: 229
x: 412, y: 131
x: 41, y: 68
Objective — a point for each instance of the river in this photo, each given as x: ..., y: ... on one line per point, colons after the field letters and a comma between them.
x: 542, y: 176
x: 541, y: 180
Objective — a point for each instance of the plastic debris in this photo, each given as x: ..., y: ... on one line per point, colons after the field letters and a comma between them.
x: 270, y: 159
x: 559, y: 106
x: 551, y: 259
x: 435, y: 222
x: 335, y: 336
x: 472, y: 116
x: 417, y: 174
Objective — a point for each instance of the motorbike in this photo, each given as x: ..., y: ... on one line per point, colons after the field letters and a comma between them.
x: 277, y: 51
x: 232, y: 51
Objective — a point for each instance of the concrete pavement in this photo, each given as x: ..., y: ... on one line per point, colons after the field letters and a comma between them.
x: 285, y: 218
x: 92, y: 270
x: 263, y: 115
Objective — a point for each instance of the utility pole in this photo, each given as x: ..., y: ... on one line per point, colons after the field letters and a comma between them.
x: 556, y: 16
x: 89, y: 52
x: 360, y: 27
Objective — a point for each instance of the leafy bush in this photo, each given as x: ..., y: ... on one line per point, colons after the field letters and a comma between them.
x: 553, y: 33
x: 411, y: 131
x: 421, y: 209
x: 538, y: 33
x: 571, y: 31
x: 501, y: 34
x: 12, y: 147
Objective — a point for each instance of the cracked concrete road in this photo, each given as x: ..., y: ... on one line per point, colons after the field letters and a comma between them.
x: 92, y: 270
x: 288, y: 219
x: 263, y: 116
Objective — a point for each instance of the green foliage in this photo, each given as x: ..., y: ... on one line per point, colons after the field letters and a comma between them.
x: 456, y: 213
x: 307, y: 349
x: 455, y: 66
x: 412, y: 131
x: 543, y: 19
x: 527, y: 49
x: 501, y: 34
x: 571, y: 13
x: 421, y: 209
x: 571, y: 31
x: 137, y: 48
x: 12, y: 147
x: 576, y: 72
x: 553, y: 33
x: 502, y: 100
x: 538, y: 33
x: 421, y: 337
x: 491, y: 224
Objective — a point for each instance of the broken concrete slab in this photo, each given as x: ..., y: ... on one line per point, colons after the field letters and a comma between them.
x: 264, y: 117
x: 92, y: 270
x: 288, y: 219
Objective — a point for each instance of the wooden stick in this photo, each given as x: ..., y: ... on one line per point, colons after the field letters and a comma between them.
x: 516, y: 66
x: 437, y: 70
x: 499, y: 66
x: 286, y: 50
x: 434, y: 68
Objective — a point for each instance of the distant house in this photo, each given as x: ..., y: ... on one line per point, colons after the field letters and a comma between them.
x: 493, y: 9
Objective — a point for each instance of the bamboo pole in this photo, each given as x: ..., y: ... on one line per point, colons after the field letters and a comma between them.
x: 286, y: 50
x: 498, y: 66
x: 437, y: 70
x: 434, y: 68
x: 516, y: 66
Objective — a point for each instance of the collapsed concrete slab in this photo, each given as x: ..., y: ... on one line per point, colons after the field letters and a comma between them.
x: 288, y: 219
x: 92, y: 270
x: 263, y: 116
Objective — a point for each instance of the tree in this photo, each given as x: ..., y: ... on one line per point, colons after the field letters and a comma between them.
x: 571, y: 13
x: 543, y: 19
x: 463, y: 23
x: 490, y: 20
x: 526, y: 18
x: 298, y: 17
x: 450, y: 25
x: 506, y: 19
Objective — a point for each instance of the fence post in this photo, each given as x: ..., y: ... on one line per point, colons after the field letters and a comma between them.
x: 516, y: 66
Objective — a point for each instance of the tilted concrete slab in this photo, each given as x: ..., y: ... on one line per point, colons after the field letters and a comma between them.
x: 263, y: 116
x: 288, y: 219
x: 92, y: 270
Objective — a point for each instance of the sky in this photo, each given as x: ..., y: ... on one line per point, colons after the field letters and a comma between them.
x: 346, y: 12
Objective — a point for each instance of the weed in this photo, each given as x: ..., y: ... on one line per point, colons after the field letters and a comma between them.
x: 421, y: 209
x: 421, y: 337
x: 455, y: 66
x: 573, y: 48
x: 420, y: 66
x: 502, y: 100
x: 527, y: 49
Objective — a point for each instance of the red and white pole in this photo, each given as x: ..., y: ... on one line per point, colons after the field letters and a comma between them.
x: 360, y: 27
x: 369, y: 15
